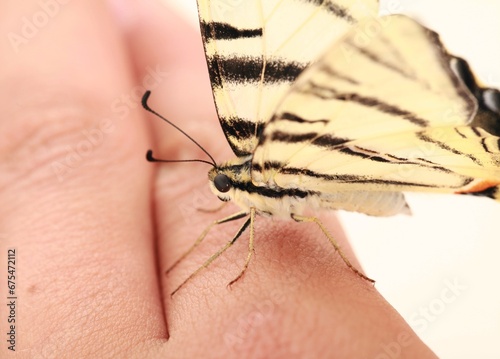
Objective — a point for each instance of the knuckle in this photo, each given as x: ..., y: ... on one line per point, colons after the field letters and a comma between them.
x: 46, y: 141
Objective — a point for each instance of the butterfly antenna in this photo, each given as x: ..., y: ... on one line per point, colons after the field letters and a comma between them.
x: 150, y: 158
x: 149, y: 155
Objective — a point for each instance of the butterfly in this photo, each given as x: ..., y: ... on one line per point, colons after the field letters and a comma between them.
x: 328, y: 106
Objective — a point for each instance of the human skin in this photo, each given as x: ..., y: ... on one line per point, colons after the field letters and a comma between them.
x: 95, y: 226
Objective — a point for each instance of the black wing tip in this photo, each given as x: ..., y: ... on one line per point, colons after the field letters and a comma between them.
x: 491, y: 192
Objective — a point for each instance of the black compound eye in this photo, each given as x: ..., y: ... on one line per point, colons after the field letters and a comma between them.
x: 222, y: 183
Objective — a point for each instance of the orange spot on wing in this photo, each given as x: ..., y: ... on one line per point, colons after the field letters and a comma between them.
x: 478, y: 186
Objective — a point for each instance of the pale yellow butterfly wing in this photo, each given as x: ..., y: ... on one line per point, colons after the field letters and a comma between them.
x: 384, y: 114
x: 255, y: 49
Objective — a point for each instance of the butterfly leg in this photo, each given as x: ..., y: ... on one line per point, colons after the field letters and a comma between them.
x: 202, y: 236
x: 212, y: 210
x: 220, y: 251
x: 251, y: 249
x: 333, y: 242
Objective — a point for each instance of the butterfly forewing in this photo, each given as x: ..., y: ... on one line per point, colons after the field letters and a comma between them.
x: 256, y: 49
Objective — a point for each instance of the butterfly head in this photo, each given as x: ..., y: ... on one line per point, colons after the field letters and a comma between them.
x: 222, y: 186
x: 227, y: 179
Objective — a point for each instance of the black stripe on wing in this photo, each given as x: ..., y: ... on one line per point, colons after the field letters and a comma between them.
x: 244, y: 70
x: 281, y: 136
x: 225, y: 31
x: 342, y: 178
x: 422, y: 136
x: 371, y: 155
x: 240, y: 128
x: 328, y: 93
x: 364, y: 51
x: 362, y: 154
x: 328, y: 70
x: 335, y: 9
x: 288, y: 116
x: 487, y: 144
x: 329, y: 141
x: 313, y: 138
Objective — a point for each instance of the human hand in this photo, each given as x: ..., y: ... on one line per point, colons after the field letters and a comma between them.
x: 95, y: 226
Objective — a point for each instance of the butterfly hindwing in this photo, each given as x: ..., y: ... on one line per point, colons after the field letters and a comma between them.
x: 379, y: 114
x: 256, y: 49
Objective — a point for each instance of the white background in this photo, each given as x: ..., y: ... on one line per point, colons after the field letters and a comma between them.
x: 419, y: 260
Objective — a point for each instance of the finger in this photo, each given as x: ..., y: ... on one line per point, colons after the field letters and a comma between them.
x: 295, y: 285
x: 74, y: 185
